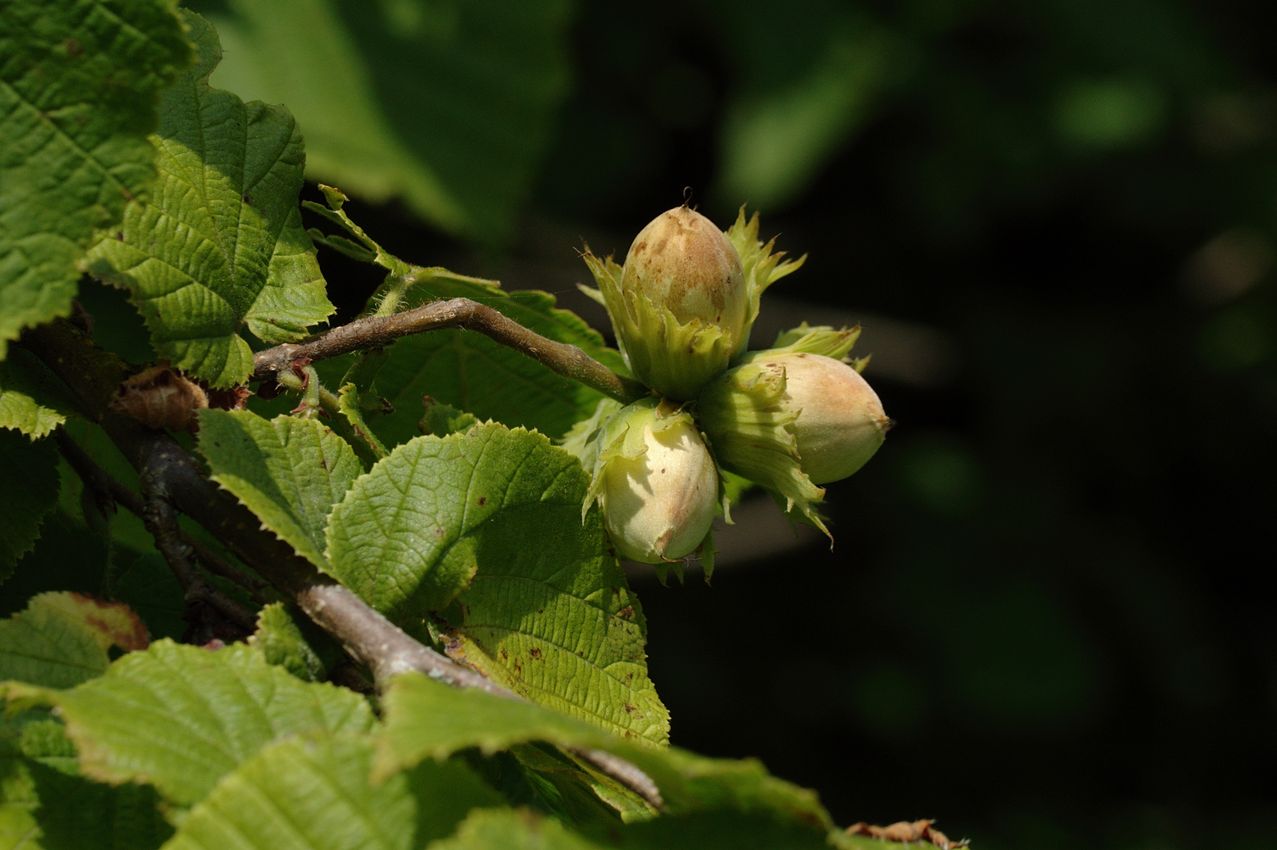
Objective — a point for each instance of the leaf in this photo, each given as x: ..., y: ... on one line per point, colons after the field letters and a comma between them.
x: 145, y: 582
x: 219, y: 248
x: 459, y: 518
x: 513, y: 830
x: 713, y: 830
x: 789, y: 113
x: 181, y: 717
x: 78, y: 85
x: 67, y: 557
x: 470, y: 371
x: 314, y: 794
x: 426, y: 719
x: 283, y: 644
x: 28, y: 491
x: 288, y: 471
x: 44, y: 800
x: 454, y: 104
x: 61, y: 639
x: 31, y: 399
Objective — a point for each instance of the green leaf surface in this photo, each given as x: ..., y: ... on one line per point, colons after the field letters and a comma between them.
x: 145, y: 582
x: 470, y: 371
x: 425, y: 719
x: 303, y: 794
x: 454, y: 103
x: 28, y: 491
x: 313, y: 794
x: 67, y: 557
x: 181, y: 717
x: 78, y: 86
x: 458, y: 519
x: 32, y: 400
x: 61, y: 639
x: 788, y: 112
x: 44, y: 803
x: 513, y: 830
x: 283, y: 644
x: 288, y: 471
x: 219, y: 247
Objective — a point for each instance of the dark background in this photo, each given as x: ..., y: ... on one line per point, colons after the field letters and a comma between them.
x: 1043, y: 622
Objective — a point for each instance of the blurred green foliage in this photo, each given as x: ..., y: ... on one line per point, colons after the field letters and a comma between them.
x: 1043, y: 622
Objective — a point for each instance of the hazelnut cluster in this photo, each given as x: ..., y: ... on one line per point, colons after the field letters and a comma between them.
x: 788, y: 418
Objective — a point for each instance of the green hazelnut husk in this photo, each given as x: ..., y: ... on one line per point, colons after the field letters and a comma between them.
x: 653, y: 478
x: 794, y: 417
x: 679, y: 305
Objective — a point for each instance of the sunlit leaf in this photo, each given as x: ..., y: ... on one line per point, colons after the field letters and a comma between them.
x: 288, y: 471
x: 219, y: 248
x: 78, y: 85
x: 181, y: 717
x: 61, y: 639
x: 483, y: 530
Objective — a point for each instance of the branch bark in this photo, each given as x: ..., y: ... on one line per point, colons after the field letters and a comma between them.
x: 377, y: 331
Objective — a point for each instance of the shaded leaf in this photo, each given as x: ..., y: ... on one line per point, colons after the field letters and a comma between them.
x: 457, y: 519
x: 288, y: 471
x: 67, y: 557
x: 28, y: 491
x: 790, y: 112
x: 180, y: 717
x: 32, y: 400
x: 78, y: 85
x: 61, y: 639
x: 283, y: 644
x: 454, y: 103
x: 219, y: 247
x: 425, y: 719
x: 513, y: 830
x: 145, y: 582
x: 44, y: 803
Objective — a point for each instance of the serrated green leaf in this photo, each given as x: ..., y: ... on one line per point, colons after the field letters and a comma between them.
x: 283, y: 644
x: 32, y: 400
x: 288, y: 471
x: 219, y: 248
x: 457, y: 519
x: 513, y: 830
x: 181, y: 717
x: 28, y: 491
x: 470, y: 371
x: 454, y: 104
x: 46, y: 805
x: 313, y: 794
x: 61, y: 639
x: 538, y: 776
x: 67, y: 557
x: 78, y: 85
x: 425, y: 719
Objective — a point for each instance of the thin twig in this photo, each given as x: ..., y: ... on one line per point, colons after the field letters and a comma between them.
x: 108, y: 489
x: 377, y: 331
x: 161, y: 520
